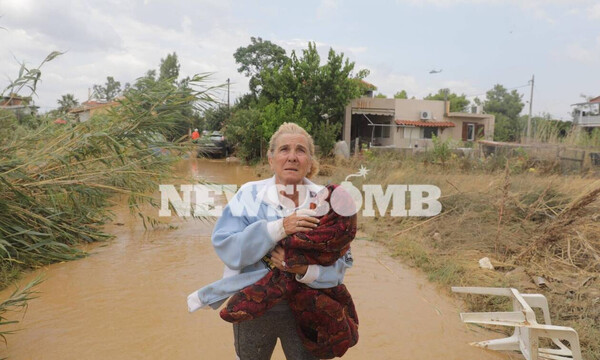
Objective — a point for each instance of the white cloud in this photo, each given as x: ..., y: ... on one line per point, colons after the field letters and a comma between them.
x: 461, y: 87
x: 326, y: 8
x: 593, y: 12
x: 114, y: 42
x: 358, y: 50
x: 18, y: 7
x: 520, y: 2
x: 538, y: 8
x: 582, y: 54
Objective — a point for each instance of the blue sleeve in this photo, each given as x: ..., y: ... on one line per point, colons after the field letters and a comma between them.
x: 241, y: 240
x: 333, y: 275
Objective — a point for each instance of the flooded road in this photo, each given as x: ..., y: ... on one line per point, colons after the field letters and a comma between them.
x: 127, y: 300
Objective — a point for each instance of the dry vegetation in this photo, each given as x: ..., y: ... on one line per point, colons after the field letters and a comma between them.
x: 529, y: 221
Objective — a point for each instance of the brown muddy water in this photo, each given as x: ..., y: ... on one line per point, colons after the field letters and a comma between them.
x: 127, y: 300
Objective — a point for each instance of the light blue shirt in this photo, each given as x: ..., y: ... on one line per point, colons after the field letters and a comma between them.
x: 249, y: 228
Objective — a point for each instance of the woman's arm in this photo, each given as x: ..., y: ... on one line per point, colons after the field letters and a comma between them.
x: 321, y: 277
x: 240, y: 242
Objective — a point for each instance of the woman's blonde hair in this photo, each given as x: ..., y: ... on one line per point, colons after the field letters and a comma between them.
x: 291, y: 128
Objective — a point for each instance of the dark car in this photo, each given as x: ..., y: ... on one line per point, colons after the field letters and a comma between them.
x: 214, y: 145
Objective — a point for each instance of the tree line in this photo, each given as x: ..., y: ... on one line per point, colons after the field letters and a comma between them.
x: 299, y: 87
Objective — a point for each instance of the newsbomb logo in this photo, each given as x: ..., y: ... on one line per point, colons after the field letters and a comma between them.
x: 423, y: 200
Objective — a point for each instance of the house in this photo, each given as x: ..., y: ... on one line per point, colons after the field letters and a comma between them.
x: 586, y: 115
x: 20, y: 105
x: 89, y: 108
x: 411, y: 123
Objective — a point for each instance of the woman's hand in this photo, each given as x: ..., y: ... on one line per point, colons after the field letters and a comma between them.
x: 300, y: 221
x: 278, y: 256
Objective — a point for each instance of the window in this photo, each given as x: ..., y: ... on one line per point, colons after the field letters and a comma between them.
x: 470, y: 132
x: 428, y: 132
x: 382, y: 131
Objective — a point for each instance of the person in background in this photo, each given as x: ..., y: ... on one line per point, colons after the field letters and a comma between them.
x: 195, y: 135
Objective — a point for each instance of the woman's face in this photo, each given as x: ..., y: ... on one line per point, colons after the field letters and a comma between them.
x: 291, y: 159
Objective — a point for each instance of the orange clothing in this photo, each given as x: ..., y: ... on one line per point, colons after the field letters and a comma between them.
x: 195, y: 135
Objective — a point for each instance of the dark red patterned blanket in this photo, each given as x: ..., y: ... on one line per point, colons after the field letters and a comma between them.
x: 326, y: 319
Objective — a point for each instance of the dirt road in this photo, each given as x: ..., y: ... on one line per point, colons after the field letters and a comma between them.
x: 128, y: 300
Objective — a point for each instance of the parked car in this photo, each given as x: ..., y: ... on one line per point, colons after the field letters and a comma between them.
x: 213, y: 144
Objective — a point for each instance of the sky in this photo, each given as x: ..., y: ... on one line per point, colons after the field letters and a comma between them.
x: 476, y: 43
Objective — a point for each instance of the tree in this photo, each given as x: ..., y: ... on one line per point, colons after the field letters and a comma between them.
x: 144, y: 83
x: 298, y: 89
x: 66, y: 103
x: 275, y: 114
x: 381, y: 96
x: 257, y: 57
x: 245, y: 131
x: 401, y: 95
x: 323, y: 90
x: 506, y: 106
x: 169, y: 67
x: 457, y: 103
x: 215, y: 117
x: 109, y: 91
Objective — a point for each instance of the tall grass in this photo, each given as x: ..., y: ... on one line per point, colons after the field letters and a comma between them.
x: 56, y: 182
x: 548, y: 132
x: 529, y: 222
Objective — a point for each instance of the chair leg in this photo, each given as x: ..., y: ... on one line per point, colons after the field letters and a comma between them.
x: 562, y: 333
x: 482, y: 290
x: 507, y: 344
x: 515, y: 317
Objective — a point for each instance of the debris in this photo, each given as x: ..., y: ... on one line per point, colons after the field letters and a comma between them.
x: 485, y: 263
x: 437, y: 236
x: 540, y: 281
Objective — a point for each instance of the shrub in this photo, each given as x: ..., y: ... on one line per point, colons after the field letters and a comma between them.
x: 244, y: 129
x: 325, y: 136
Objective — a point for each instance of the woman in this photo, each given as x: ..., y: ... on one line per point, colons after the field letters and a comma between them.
x: 260, y: 215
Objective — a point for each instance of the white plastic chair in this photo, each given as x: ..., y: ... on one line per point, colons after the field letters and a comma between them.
x: 528, y: 331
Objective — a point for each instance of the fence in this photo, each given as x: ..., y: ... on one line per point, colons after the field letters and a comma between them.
x: 570, y: 159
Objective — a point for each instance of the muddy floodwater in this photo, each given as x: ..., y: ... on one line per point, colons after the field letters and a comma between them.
x: 127, y: 300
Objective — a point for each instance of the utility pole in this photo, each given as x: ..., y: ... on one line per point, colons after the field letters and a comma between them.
x: 532, y: 81
x: 227, y: 93
x: 446, y: 110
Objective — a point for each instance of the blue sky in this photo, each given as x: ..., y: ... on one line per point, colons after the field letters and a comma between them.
x: 477, y: 43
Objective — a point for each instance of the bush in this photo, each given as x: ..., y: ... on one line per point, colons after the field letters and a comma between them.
x: 441, y: 150
x: 325, y: 137
x: 8, y: 125
x: 244, y: 129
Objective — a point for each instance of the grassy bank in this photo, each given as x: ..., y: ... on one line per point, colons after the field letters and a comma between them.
x: 529, y: 221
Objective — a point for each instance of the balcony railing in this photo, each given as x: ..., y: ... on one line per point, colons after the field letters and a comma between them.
x: 593, y: 120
